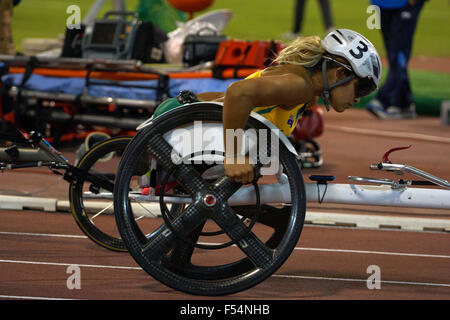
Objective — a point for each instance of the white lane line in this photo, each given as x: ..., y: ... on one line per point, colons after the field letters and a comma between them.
x: 274, y: 275
x: 42, y: 235
x: 70, y: 264
x: 296, y: 248
x: 2, y: 296
x: 363, y: 280
x: 376, y: 252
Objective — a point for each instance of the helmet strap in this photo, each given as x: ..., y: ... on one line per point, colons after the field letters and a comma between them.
x: 326, y: 93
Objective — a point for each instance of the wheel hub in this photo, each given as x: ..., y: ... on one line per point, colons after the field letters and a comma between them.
x: 209, y: 200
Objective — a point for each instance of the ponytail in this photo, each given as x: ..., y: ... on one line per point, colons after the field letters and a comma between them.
x: 304, y: 51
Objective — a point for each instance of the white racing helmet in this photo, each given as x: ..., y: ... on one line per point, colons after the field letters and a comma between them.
x: 360, y: 53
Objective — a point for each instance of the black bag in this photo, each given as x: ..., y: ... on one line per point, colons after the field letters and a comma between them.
x: 149, y: 43
x: 72, y: 43
x: 200, y: 48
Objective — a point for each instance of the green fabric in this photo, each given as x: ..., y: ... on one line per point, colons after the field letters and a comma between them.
x: 300, y: 112
x: 160, y: 13
x: 165, y: 106
x: 264, y: 111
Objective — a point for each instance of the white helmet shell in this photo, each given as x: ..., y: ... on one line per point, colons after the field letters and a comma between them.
x: 357, y: 50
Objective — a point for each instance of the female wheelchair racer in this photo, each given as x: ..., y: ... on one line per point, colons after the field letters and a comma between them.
x: 340, y: 69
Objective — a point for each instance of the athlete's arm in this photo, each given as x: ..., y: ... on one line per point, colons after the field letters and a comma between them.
x: 211, y: 96
x: 287, y: 90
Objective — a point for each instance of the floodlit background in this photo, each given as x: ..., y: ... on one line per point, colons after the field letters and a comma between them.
x: 268, y: 20
x: 255, y: 20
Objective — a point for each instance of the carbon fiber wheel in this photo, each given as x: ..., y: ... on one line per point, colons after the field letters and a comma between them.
x: 168, y: 252
x: 92, y: 207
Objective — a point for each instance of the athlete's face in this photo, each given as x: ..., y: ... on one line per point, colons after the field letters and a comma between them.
x: 343, y: 96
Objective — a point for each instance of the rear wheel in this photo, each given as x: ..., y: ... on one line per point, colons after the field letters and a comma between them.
x: 180, y: 252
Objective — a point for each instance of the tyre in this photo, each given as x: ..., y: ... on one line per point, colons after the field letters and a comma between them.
x: 173, y: 250
x: 91, y: 206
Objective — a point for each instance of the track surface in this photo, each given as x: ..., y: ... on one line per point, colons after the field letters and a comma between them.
x: 329, y: 262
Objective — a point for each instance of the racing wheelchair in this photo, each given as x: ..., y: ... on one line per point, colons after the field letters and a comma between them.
x: 217, y: 236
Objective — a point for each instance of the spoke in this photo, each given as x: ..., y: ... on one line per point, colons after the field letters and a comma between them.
x: 163, y: 240
x: 225, y: 188
x: 145, y: 208
x: 160, y: 243
x: 185, y: 174
x: 255, y: 249
x: 276, y: 218
x: 182, y: 253
x: 101, y: 211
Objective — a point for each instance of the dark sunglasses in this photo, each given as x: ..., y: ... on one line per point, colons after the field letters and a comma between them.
x: 364, y: 87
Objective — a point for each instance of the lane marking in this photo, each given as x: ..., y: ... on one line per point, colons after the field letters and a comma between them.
x: 363, y: 280
x: 422, y: 255
x: 2, y: 296
x: 70, y: 264
x: 376, y: 252
x: 43, y: 235
x: 274, y: 275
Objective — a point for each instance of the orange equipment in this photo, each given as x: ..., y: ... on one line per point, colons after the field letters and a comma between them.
x: 241, y: 53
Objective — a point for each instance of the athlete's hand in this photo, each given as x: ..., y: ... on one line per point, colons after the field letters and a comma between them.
x: 239, y: 170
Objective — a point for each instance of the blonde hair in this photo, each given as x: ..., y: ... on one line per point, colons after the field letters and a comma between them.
x: 304, y: 51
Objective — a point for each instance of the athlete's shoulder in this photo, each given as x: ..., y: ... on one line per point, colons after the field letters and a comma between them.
x: 285, y: 68
x: 296, y: 72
